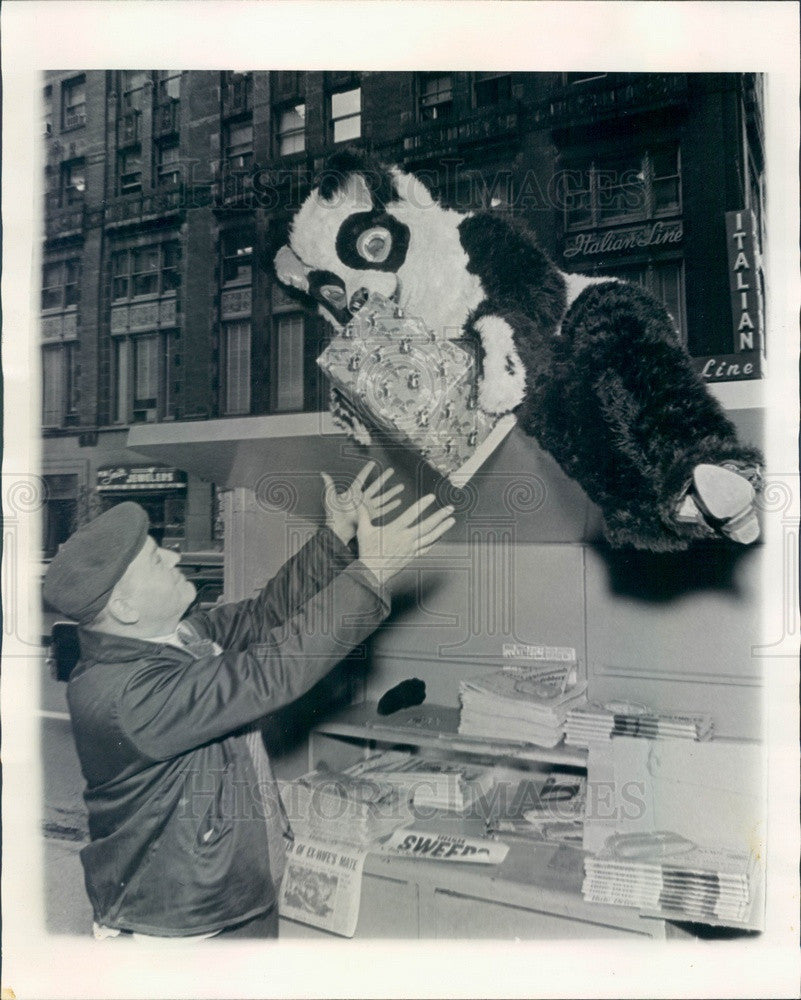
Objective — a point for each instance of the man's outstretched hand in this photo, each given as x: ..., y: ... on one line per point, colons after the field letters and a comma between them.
x: 386, y: 550
x: 341, y: 509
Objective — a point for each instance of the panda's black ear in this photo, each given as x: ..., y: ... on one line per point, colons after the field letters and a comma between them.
x: 352, y: 160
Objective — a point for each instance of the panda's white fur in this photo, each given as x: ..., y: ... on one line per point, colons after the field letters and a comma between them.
x: 434, y: 280
x: 504, y: 381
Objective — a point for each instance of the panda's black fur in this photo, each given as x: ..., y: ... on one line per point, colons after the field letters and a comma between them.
x: 605, y: 386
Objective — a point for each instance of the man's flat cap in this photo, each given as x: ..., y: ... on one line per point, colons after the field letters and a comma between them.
x: 79, y: 580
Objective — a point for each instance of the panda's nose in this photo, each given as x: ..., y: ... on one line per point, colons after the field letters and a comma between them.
x: 358, y: 299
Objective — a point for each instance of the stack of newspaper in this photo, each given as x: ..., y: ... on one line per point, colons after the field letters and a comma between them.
x: 665, y: 874
x: 340, y: 808
x: 591, y: 723
x: 529, y: 703
x: 436, y: 784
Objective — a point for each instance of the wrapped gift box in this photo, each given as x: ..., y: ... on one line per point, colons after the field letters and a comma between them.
x: 413, y: 389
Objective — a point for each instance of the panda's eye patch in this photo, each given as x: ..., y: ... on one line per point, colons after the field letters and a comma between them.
x: 372, y: 241
x: 374, y: 245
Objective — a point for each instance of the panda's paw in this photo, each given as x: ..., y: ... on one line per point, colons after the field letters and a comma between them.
x: 722, y: 498
x: 500, y: 391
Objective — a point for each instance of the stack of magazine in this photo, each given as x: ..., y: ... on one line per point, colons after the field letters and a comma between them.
x: 667, y: 875
x: 337, y: 807
x: 549, y: 808
x: 434, y: 784
x: 521, y: 703
x: 592, y: 723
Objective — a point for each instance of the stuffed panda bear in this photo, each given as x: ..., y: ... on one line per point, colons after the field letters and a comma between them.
x: 590, y: 366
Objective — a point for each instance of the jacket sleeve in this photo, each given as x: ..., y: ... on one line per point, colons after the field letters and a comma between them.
x: 314, y: 566
x: 166, y: 709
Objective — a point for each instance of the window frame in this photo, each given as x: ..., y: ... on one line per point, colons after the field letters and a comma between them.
x: 127, y: 105
x: 65, y: 380
x: 435, y: 106
x: 129, y: 408
x: 148, y: 361
x: 282, y: 135
x: 240, y: 403
x: 127, y: 274
x: 335, y: 121
x: 237, y: 91
x: 163, y: 79
x: 229, y: 157
x: 168, y: 175
x: 70, y: 193
x: 296, y: 401
x: 69, y: 109
x: 491, y: 77
x: 242, y: 243
x: 62, y: 270
x: 134, y: 187
x: 593, y: 170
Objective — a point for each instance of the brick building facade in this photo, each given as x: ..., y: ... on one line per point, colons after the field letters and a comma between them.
x: 166, y: 194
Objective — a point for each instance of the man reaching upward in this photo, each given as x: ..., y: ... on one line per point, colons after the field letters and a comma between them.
x: 186, y: 824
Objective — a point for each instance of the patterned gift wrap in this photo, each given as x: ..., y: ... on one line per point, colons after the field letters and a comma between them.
x: 414, y: 389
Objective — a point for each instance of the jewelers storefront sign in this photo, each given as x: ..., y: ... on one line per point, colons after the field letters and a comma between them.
x: 636, y: 238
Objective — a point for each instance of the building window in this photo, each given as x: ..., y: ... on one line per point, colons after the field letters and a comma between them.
x: 145, y: 378
x: 287, y: 84
x: 133, y: 82
x: 168, y: 85
x: 491, y: 88
x: 436, y: 96
x: 168, y: 165
x: 47, y: 110
x: 239, y: 146
x: 145, y: 271
x: 623, y: 189
x: 130, y: 171
x: 346, y: 115
x: 292, y: 130
x: 60, y: 284
x: 60, y: 390
x: 237, y: 263
x: 236, y: 93
x: 288, y: 369
x: 236, y: 379
x: 150, y: 270
x: 73, y: 182
x: 73, y: 102
x: 170, y: 266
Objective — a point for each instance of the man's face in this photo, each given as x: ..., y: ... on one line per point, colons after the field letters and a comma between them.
x: 157, y: 591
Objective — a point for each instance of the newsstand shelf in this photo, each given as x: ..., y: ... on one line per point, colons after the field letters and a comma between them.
x: 434, y: 727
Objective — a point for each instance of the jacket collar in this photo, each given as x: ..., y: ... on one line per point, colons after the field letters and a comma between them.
x: 102, y: 647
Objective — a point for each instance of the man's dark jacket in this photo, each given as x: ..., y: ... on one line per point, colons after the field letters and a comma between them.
x: 178, y: 839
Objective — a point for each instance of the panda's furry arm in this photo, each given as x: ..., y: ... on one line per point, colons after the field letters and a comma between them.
x: 524, y: 304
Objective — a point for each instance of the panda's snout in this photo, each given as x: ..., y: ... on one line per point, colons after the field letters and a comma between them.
x: 358, y: 299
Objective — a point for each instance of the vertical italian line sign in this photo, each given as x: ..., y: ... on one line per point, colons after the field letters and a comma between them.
x: 744, y: 280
